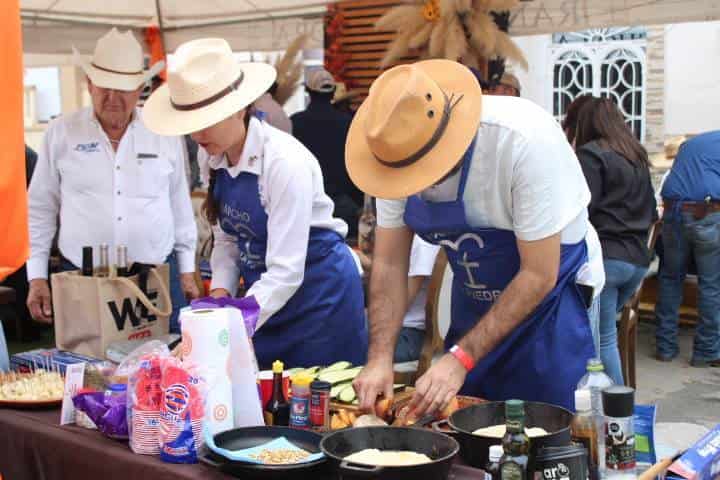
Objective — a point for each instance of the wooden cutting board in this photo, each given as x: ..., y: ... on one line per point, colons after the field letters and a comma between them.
x: 399, y: 398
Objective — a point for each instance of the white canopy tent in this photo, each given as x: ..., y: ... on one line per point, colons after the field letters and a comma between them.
x: 54, y: 26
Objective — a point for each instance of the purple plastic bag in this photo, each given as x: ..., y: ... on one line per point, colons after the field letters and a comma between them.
x: 247, y: 305
x: 111, y: 419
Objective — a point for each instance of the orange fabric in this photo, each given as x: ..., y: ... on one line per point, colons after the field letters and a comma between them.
x: 153, y: 38
x: 14, y: 239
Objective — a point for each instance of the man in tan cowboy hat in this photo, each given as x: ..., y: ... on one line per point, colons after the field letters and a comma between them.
x: 111, y: 181
x: 492, y: 180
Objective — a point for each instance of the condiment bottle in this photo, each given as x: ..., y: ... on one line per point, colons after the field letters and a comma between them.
x: 103, y: 269
x: 320, y: 404
x: 516, y: 444
x: 492, y: 471
x: 584, y: 429
x: 87, y: 261
x: 596, y: 381
x: 277, y: 409
x: 618, y: 405
x: 122, y: 263
x: 300, y: 401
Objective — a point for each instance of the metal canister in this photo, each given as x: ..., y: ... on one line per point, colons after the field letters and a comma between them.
x: 320, y: 404
x: 561, y: 463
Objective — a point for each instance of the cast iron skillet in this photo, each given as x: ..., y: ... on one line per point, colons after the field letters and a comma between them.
x: 240, y: 438
x: 439, y: 447
x: 474, y: 448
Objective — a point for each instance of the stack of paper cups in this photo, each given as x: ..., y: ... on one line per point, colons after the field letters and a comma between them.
x: 206, y: 344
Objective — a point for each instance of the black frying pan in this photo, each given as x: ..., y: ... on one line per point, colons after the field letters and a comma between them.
x: 241, y: 438
x: 439, y: 447
x: 474, y: 448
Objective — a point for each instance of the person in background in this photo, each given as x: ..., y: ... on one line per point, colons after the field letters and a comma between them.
x: 272, y: 221
x: 509, y: 85
x: 569, y: 123
x: 691, y: 225
x: 323, y: 129
x: 342, y: 99
x: 622, y: 209
x: 272, y: 111
x: 110, y: 180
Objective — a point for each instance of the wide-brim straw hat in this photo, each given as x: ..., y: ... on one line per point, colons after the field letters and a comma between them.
x: 205, y: 85
x: 117, y: 62
x: 413, y: 128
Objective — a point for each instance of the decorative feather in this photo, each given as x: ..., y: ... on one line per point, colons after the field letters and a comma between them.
x: 506, y: 48
x: 455, y: 43
x: 397, y: 49
x: 481, y: 5
x: 463, y: 6
x: 483, y: 33
x: 396, y: 18
x: 421, y: 38
x: 288, y: 59
x: 501, y: 5
x: 289, y: 70
x: 436, y: 47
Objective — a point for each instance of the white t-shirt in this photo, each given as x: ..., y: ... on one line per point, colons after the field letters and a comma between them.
x: 422, y: 261
x: 524, y: 177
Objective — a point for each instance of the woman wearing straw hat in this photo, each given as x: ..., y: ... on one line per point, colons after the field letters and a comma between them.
x: 273, y: 223
x: 494, y: 181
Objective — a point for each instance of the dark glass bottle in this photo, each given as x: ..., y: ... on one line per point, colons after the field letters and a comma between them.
x: 516, y: 444
x: 122, y: 263
x: 87, y: 261
x: 277, y: 410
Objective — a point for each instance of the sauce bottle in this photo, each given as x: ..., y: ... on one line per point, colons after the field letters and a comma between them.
x: 277, y: 410
x: 516, y: 444
x: 584, y: 429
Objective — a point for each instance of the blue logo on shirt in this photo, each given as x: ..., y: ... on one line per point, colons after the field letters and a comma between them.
x: 88, y: 147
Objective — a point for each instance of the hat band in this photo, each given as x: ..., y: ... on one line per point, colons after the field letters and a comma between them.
x: 208, y: 101
x: 436, y: 136
x: 115, y: 71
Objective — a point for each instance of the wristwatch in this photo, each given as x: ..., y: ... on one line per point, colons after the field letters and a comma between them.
x: 463, y: 357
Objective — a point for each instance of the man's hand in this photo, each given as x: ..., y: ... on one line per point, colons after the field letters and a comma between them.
x: 437, y: 387
x: 374, y: 380
x: 219, y: 293
x: 189, y: 286
x: 39, y: 301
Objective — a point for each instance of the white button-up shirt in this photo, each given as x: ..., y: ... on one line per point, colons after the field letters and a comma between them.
x: 291, y: 192
x: 137, y: 196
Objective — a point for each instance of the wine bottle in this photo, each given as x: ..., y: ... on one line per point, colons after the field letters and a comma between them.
x: 87, y: 261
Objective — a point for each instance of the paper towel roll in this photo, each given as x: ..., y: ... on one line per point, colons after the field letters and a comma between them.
x: 206, y: 343
x: 217, y: 339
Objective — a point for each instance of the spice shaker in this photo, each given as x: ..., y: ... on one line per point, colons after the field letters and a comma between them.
x: 618, y: 405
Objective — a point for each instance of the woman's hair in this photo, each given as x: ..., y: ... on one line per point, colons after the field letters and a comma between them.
x: 569, y: 124
x: 601, y: 120
x: 211, y: 206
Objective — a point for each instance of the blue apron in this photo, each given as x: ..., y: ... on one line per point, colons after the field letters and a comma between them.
x: 543, y: 358
x: 324, y: 321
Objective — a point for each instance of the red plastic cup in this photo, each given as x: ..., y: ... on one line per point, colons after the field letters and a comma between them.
x: 265, y: 379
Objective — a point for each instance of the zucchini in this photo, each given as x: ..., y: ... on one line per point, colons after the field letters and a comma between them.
x: 340, y: 376
x: 312, y: 371
x: 295, y: 370
x: 336, y: 366
x: 335, y: 391
x: 347, y: 395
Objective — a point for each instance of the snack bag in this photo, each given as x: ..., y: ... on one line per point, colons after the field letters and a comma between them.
x: 182, y: 411
x: 144, y: 400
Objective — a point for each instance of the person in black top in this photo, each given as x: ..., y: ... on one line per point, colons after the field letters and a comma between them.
x: 322, y: 129
x: 622, y: 209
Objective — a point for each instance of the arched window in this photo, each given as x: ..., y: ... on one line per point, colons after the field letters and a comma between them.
x: 622, y: 80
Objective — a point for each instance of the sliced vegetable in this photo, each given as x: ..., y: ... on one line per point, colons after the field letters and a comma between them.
x: 335, y: 391
x: 340, y: 376
x: 345, y: 417
x: 336, y: 366
x: 293, y: 371
x: 347, y: 395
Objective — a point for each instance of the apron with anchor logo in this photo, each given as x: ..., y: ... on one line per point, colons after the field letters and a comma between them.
x: 324, y: 321
x: 545, y: 356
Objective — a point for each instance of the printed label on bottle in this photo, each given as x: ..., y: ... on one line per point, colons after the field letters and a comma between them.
x: 300, y: 412
x: 511, y: 471
x: 559, y: 471
x: 619, y: 444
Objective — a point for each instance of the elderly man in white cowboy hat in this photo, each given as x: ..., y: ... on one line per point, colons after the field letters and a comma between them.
x: 495, y: 183
x: 111, y: 181
x: 271, y: 218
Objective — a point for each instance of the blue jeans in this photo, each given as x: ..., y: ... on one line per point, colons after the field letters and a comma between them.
x: 621, y: 282
x: 4, y: 360
x: 176, y: 294
x: 409, y: 345
x: 680, y: 237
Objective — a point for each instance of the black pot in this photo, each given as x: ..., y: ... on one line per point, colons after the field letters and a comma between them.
x: 441, y: 448
x: 474, y: 448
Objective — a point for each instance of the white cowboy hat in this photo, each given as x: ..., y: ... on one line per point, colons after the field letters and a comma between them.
x: 117, y: 62
x: 205, y: 85
x: 413, y: 128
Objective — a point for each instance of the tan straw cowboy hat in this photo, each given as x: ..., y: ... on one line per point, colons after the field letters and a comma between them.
x: 117, y: 62
x: 205, y: 85
x: 413, y: 128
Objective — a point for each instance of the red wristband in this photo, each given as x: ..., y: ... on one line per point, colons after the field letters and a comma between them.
x: 462, y: 356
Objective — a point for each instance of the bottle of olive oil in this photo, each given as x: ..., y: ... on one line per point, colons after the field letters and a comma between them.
x: 516, y: 444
